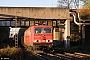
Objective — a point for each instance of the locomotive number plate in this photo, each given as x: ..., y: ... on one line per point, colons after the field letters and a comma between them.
x: 43, y: 40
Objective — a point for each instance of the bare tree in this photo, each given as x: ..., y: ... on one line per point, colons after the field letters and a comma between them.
x: 63, y: 3
x: 72, y: 3
x: 85, y: 1
x: 68, y: 3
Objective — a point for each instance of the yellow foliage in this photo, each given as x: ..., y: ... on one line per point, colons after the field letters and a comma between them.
x: 11, y: 52
x: 84, y: 13
x: 74, y: 37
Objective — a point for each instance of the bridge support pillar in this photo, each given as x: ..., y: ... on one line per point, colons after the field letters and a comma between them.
x: 83, y: 34
x: 67, y: 34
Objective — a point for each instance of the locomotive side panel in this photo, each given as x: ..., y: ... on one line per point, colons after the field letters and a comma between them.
x: 31, y: 36
x: 25, y: 38
x: 28, y: 37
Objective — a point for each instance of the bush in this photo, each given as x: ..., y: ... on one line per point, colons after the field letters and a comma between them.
x: 13, y: 53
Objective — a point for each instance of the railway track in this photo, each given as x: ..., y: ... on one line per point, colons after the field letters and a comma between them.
x: 57, y: 55
x: 44, y: 56
x: 63, y: 56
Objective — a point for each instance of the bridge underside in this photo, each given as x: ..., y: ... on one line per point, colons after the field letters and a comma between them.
x: 7, y: 22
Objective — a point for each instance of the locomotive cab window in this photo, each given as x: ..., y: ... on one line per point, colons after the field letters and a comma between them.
x: 47, y: 30
x: 43, y: 30
x: 37, y: 30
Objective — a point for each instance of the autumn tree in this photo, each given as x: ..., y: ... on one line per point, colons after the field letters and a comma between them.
x: 85, y: 11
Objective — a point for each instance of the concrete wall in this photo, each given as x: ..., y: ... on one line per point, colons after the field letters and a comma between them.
x: 58, y: 34
x: 37, y: 12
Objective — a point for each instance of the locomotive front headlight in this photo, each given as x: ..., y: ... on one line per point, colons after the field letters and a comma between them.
x: 51, y: 40
x: 47, y: 40
x: 36, y: 40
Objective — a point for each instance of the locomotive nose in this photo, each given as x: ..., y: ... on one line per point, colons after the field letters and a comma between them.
x: 43, y: 37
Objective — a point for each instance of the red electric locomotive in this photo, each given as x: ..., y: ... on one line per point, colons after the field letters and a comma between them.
x: 39, y: 37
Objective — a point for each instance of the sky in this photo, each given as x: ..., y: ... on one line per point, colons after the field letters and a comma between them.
x: 36, y: 3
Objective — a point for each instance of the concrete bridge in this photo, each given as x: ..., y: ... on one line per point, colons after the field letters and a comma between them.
x: 58, y: 17
x: 35, y: 12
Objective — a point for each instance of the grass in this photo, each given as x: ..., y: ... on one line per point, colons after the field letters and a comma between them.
x: 82, y: 49
x: 12, y: 52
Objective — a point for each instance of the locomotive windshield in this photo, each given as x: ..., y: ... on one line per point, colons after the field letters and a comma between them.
x: 37, y: 30
x: 47, y: 30
x: 43, y: 30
